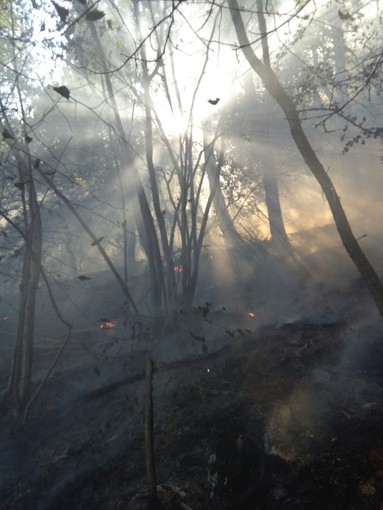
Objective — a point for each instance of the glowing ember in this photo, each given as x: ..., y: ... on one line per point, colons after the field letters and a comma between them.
x: 178, y: 269
x: 106, y: 324
x: 251, y: 314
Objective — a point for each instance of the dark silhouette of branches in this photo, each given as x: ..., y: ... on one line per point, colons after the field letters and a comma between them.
x: 94, y: 238
x: 141, y: 44
x: 279, y: 94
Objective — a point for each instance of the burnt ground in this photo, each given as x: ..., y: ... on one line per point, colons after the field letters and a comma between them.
x: 286, y: 417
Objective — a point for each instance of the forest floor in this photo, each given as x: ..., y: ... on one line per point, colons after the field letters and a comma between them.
x: 287, y: 417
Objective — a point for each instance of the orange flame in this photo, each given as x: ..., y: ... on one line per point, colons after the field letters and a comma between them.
x: 251, y: 314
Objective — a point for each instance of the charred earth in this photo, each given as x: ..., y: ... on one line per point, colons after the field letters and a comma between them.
x: 288, y: 416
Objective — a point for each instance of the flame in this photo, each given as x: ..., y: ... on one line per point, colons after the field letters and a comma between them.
x: 251, y: 314
x: 178, y: 269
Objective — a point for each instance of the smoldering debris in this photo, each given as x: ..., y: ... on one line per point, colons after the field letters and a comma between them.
x: 295, y: 395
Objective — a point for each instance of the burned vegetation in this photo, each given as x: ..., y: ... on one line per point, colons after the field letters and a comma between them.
x: 288, y: 417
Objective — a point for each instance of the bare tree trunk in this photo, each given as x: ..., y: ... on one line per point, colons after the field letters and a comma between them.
x: 274, y: 87
x: 20, y: 380
x: 242, y: 254
x: 152, y: 251
x: 279, y: 239
x: 213, y: 169
x: 151, y: 245
x: 16, y: 370
x: 29, y: 324
x: 34, y: 251
x: 167, y: 283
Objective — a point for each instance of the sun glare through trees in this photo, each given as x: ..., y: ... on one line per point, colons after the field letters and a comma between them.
x: 187, y: 187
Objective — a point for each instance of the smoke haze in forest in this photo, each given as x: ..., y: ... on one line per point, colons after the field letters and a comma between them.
x: 149, y: 170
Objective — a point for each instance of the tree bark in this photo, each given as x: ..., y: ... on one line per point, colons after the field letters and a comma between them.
x: 150, y: 234
x: 20, y: 380
x: 213, y: 170
x: 274, y: 87
x: 279, y: 239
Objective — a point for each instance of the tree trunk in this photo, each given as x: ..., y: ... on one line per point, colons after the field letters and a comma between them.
x: 16, y: 370
x: 279, y: 239
x: 34, y: 246
x: 20, y: 380
x: 29, y: 328
x: 274, y: 87
x: 168, y: 281
x: 147, y: 224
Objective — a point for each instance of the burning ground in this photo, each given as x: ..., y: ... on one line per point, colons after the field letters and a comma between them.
x: 256, y: 417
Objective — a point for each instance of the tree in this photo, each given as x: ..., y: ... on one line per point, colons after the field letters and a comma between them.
x: 169, y: 209
x: 263, y: 126
x: 20, y: 380
x: 274, y: 87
